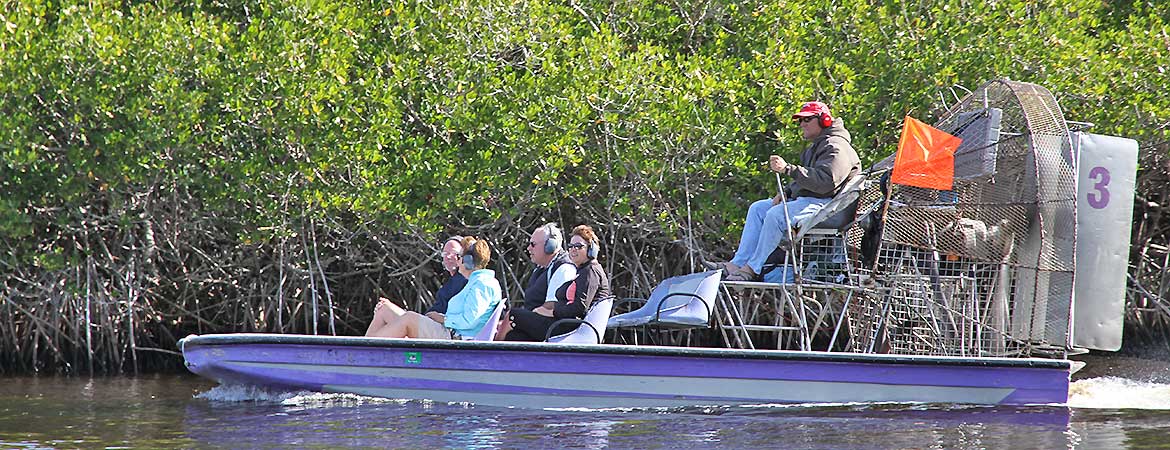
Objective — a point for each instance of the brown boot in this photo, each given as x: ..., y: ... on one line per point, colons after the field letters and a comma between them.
x: 744, y: 273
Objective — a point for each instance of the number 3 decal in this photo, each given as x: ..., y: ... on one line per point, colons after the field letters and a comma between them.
x: 1100, y: 178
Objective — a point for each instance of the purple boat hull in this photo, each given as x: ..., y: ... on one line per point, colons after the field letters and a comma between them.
x: 540, y: 375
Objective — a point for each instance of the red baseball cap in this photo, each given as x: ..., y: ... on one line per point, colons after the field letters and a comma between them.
x: 812, y: 109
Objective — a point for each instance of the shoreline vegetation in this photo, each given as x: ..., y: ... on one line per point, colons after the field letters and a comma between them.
x: 169, y: 168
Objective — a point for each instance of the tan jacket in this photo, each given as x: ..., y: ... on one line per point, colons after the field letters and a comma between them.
x: 825, y: 165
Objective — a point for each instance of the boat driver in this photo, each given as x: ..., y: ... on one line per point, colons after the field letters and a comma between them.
x: 825, y: 166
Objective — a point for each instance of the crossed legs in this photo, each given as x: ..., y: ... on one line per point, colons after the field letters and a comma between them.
x: 392, y: 321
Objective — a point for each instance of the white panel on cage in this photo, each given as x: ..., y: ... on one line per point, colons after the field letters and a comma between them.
x: 1108, y: 168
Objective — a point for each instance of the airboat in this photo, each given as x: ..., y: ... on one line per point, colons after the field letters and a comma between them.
x: 976, y: 294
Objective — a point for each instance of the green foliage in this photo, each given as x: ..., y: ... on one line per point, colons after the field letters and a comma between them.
x: 413, y: 117
x: 418, y: 113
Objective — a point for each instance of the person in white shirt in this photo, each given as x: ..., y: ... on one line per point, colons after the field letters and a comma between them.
x: 553, y: 269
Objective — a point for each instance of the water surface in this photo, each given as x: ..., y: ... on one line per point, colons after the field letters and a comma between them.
x: 171, y: 411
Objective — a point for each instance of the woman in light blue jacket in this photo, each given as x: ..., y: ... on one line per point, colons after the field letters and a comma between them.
x: 467, y: 312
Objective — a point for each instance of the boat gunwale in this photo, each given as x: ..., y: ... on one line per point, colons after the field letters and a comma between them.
x: 612, y: 349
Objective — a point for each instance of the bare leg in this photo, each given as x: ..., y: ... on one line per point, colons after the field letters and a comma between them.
x: 406, y: 326
x: 385, y: 313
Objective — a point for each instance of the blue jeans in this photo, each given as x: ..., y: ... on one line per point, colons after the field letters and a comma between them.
x: 766, y: 227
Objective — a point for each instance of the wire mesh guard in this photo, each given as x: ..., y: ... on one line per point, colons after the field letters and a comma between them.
x: 822, y: 257
x: 925, y: 304
x: 985, y: 269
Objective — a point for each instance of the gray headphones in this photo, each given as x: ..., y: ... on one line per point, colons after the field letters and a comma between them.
x: 469, y: 259
x: 553, y: 237
x: 592, y: 249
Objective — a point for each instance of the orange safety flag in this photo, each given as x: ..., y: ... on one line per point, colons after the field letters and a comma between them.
x: 926, y: 157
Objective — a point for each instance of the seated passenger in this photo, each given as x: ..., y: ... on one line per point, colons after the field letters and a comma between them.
x: 826, y: 165
x: 467, y: 312
x: 573, y: 298
x: 452, y: 250
x: 553, y: 269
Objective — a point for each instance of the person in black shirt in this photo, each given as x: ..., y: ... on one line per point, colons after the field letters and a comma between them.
x: 573, y: 298
x: 451, y: 251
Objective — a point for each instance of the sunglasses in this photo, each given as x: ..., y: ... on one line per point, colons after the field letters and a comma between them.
x: 576, y: 246
x: 531, y: 244
x: 806, y: 119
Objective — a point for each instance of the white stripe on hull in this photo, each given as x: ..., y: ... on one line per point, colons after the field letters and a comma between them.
x: 522, y: 400
x: 679, y: 390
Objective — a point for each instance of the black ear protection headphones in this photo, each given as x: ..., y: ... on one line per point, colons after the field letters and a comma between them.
x: 469, y: 258
x: 826, y: 120
x: 552, y: 238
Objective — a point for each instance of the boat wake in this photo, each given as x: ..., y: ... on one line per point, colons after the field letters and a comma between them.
x: 1118, y: 393
x: 239, y: 393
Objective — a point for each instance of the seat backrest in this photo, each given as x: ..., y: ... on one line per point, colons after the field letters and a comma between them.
x: 689, y: 301
x: 684, y: 300
x: 841, y: 210
x: 488, y: 332
x: 594, y: 330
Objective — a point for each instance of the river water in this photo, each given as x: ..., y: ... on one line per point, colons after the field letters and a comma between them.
x: 183, y: 411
